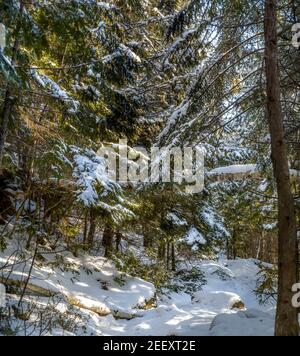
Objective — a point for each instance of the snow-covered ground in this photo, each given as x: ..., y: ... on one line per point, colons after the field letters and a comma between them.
x: 89, y: 282
x: 179, y: 315
x: 104, y: 299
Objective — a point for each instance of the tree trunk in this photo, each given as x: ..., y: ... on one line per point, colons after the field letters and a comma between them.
x: 260, y: 238
x: 28, y: 242
x: 118, y: 240
x: 168, y: 256
x: 91, y: 234
x: 8, y: 100
x: 173, y: 258
x: 146, y: 238
x: 287, y: 316
x: 162, y: 251
x: 107, y: 241
x: 227, y: 248
x: 85, y: 228
x: 234, y: 247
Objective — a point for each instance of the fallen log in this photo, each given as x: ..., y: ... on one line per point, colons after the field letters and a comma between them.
x: 31, y: 288
x: 97, y: 307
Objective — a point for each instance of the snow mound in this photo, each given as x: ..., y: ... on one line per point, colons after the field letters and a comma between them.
x: 218, y: 300
x: 89, y: 282
x: 244, y: 323
x: 215, y: 269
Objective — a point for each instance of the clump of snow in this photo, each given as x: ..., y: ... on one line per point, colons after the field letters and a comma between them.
x: 100, y: 31
x: 270, y: 227
x: 294, y: 173
x: 215, y: 222
x: 176, y: 220
x: 105, y: 6
x: 243, y: 169
x: 234, y: 169
x: 122, y: 51
x: 180, y: 40
x: 194, y: 236
x: 89, y: 170
x: 177, y: 114
x: 6, y: 67
x: 56, y: 91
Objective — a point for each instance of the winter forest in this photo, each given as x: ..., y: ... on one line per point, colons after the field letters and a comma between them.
x: 208, y: 91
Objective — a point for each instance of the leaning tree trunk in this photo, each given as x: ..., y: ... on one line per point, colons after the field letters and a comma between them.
x: 287, y: 316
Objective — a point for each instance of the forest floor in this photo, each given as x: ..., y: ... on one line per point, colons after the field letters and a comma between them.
x: 86, y: 295
x: 208, y: 312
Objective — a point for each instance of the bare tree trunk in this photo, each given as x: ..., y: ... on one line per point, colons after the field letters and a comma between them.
x: 107, y: 240
x: 227, y: 248
x: 91, y: 234
x: 168, y: 255
x: 146, y: 237
x: 118, y: 240
x: 8, y: 100
x: 28, y: 242
x: 161, y: 251
x: 260, y: 238
x: 173, y: 258
x: 234, y: 247
x: 85, y: 228
x: 287, y: 316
